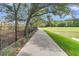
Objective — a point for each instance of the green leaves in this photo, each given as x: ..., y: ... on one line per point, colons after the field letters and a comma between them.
x: 7, y: 7
x: 61, y: 9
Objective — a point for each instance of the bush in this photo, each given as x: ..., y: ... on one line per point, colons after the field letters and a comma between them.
x: 61, y: 25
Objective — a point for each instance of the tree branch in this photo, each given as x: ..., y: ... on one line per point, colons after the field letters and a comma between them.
x: 41, y: 8
x: 41, y: 14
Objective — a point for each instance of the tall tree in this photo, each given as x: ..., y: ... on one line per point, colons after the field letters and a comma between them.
x: 12, y: 9
x: 16, y: 9
x: 32, y: 9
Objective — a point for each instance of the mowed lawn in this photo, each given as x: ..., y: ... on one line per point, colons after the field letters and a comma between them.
x: 72, y: 32
x: 63, y: 37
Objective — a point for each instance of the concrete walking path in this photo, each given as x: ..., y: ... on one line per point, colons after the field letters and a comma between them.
x: 41, y: 45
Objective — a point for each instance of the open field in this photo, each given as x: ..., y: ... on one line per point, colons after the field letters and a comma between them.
x: 71, y: 32
x: 63, y: 37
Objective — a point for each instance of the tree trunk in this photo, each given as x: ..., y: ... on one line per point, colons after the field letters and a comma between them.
x: 16, y: 19
x: 16, y: 26
x: 49, y: 22
x: 26, y: 26
x: 0, y: 36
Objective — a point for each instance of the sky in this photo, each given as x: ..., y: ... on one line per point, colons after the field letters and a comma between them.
x: 2, y: 14
x: 75, y: 11
x: 56, y: 17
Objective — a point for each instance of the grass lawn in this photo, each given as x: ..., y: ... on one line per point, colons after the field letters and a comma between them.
x: 72, y: 32
x: 63, y: 37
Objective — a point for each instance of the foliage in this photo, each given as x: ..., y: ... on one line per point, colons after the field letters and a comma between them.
x: 7, y: 52
x: 63, y: 23
x: 38, y: 22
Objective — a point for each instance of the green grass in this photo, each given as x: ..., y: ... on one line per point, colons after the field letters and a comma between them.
x: 70, y: 46
x: 72, y: 32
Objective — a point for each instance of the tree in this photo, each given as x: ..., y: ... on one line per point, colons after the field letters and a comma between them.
x: 16, y: 9
x: 49, y: 21
x: 12, y: 9
x: 32, y: 11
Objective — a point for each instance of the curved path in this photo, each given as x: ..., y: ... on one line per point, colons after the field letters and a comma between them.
x: 41, y: 45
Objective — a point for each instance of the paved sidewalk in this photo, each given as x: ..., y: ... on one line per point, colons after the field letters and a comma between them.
x: 41, y: 45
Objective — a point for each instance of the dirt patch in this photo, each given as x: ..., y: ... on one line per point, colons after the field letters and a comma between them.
x: 13, y: 48
x: 8, y: 37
